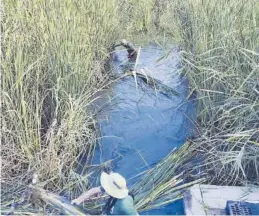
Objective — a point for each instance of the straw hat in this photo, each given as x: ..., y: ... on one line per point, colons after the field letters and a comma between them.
x: 114, y: 184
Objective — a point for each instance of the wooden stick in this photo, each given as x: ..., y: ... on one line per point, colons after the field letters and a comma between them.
x: 58, y: 201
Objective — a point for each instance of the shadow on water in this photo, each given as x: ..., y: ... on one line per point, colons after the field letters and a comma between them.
x: 140, y: 126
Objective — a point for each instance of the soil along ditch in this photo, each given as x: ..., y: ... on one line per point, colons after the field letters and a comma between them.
x: 141, y: 123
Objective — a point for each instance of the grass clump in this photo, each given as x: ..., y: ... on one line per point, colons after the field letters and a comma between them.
x: 220, y: 45
x: 53, y: 57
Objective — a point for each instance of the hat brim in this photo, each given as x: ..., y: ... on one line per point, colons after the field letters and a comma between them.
x: 111, y: 189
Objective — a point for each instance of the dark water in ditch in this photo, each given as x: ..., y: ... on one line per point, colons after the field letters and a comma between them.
x: 140, y: 125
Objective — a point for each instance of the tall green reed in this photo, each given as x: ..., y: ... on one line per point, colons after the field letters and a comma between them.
x: 219, y: 54
x: 53, y: 64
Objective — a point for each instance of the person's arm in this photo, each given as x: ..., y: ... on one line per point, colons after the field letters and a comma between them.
x: 85, y: 196
x: 116, y: 45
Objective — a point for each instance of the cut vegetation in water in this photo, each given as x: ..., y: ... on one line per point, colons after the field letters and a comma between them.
x: 54, y: 64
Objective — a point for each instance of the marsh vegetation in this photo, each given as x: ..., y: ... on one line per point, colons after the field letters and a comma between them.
x: 53, y: 66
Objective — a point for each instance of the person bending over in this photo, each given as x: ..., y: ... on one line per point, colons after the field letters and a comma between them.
x: 132, y: 51
x: 120, y: 202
